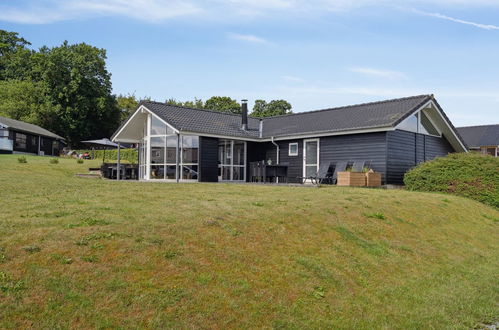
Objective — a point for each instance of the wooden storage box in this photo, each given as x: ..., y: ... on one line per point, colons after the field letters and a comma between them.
x: 373, y: 179
x: 352, y: 179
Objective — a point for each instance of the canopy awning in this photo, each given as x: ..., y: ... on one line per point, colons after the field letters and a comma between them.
x: 105, y: 142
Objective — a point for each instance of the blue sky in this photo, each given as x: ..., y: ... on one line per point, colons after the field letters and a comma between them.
x: 315, y: 54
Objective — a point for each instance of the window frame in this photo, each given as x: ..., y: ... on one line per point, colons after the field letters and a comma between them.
x: 231, y: 166
x: 297, y: 149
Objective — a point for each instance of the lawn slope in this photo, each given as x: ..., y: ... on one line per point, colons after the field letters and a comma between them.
x: 90, y: 253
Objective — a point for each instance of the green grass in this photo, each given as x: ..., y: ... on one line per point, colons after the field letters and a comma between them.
x: 86, y: 253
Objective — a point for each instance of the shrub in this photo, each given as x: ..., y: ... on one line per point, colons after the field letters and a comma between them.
x: 127, y: 155
x: 465, y: 174
x: 22, y: 160
x: 54, y: 161
x: 79, y: 161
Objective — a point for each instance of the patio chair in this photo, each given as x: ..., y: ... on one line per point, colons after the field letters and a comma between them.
x: 340, y: 167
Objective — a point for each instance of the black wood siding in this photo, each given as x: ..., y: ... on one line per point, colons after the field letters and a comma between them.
x: 255, y: 151
x: 370, y: 147
x: 208, y: 159
x: 31, y: 143
x: 407, y: 149
x: 295, y: 163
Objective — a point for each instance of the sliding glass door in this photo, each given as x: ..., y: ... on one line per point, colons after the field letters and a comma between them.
x: 231, y: 160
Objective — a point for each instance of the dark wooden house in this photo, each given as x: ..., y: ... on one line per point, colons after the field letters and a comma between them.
x: 21, y: 137
x: 183, y: 144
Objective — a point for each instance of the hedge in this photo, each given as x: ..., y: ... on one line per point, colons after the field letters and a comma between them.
x: 465, y: 174
x: 126, y: 155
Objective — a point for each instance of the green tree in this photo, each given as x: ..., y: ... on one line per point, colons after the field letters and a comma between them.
x: 222, y: 104
x: 127, y: 105
x: 78, y: 82
x: 273, y: 108
x: 26, y: 100
x: 14, y: 55
x: 196, y: 104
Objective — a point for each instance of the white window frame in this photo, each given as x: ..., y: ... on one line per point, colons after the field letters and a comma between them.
x: 145, y: 153
x: 305, y: 155
x: 231, y: 166
x: 289, y: 149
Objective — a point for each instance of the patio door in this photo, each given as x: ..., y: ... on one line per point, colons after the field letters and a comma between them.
x: 310, y: 157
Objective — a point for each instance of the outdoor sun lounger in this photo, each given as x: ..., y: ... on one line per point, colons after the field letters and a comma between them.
x: 321, y: 175
x: 340, y: 167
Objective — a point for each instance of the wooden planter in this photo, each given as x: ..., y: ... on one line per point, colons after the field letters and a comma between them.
x: 352, y: 179
x: 373, y: 179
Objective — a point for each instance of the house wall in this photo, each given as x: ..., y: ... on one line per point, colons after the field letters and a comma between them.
x: 32, y: 144
x: 407, y: 149
x: 370, y: 147
x: 295, y: 163
x: 390, y: 153
x: 208, y: 159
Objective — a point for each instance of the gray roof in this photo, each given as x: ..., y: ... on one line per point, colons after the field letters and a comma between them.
x: 478, y: 136
x: 27, y: 127
x: 361, y: 116
x: 204, y: 121
x: 381, y: 114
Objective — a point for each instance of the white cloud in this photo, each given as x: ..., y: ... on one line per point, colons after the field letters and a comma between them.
x: 378, y: 73
x: 478, y: 25
x: 48, y: 11
x: 247, y: 37
x: 292, y: 78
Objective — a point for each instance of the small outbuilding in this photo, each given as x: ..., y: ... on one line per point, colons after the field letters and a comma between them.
x: 25, y: 138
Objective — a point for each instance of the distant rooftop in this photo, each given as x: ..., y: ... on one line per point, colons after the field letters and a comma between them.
x: 27, y: 127
x: 479, y: 136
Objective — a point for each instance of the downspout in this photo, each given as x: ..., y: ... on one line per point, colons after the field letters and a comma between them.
x: 277, y: 158
x: 178, y: 171
x: 272, y: 140
x: 118, y: 163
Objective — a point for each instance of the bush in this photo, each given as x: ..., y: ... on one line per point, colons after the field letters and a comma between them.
x: 465, y: 174
x: 22, y: 160
x: 127, y: 155
x: 54, y: 161
x: 79, y: 161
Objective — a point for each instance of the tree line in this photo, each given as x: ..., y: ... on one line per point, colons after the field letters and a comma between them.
x: 261, y: 108
x: 67, y: 89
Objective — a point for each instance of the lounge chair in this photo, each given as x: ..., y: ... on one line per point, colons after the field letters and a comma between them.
x: 340, y: 167
x: 321, y: 176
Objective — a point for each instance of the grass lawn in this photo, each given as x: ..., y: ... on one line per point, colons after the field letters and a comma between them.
x: 89, y: 253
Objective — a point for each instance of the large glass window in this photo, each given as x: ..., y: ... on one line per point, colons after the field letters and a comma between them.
x: 231, y: 160
x: 20, y: 141
x: 410, y: 124
x: 418, y: 123
x: 159, y: 149
x: 190, y: 152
